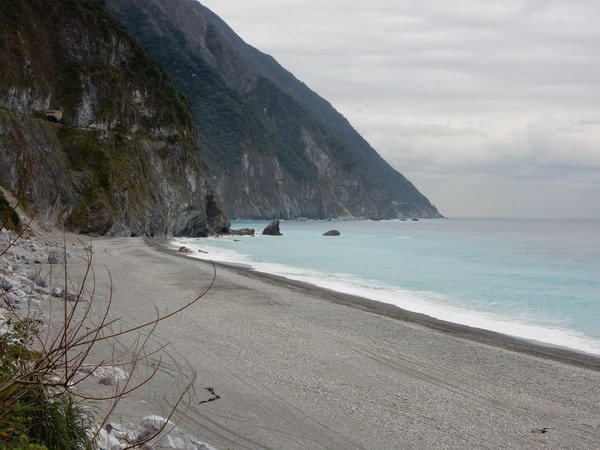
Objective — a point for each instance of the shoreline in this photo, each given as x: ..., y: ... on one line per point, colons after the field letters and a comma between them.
x: 474, y: 334
x: 293, y: 368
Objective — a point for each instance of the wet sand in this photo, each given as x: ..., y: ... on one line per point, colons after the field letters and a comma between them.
x: 301, y: 367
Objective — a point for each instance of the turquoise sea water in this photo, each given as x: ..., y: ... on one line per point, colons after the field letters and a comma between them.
x: 537, y: 279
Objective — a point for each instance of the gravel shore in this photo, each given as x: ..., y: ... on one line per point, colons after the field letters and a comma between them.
x: 300, y: 367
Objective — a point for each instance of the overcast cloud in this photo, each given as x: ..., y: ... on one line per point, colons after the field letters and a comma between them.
x: 492, y: 108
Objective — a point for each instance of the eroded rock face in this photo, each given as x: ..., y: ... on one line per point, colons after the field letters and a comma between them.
x: 272, y: 229
x: 291, y: 154
x: 123, y: 160
x: 217, y: 221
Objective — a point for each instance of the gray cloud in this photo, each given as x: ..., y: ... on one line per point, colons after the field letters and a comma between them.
x: 476, y: 102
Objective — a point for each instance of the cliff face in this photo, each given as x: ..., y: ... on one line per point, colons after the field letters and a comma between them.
x: 276, y: 148
x: 124, y: 159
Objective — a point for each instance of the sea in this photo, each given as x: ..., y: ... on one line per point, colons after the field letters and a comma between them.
x: 536, y: 279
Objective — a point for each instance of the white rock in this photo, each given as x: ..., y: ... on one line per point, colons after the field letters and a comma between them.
x: 120, y: 432
x: 170, y: 437
x: 105, y: 441
x: 110, y: 375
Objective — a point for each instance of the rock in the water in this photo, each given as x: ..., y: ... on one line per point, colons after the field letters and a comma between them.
x: 272, y: 229
x: 243, y: 232
x: 170, y: 437
x: 415, y: 220
x: 185, y: 250
x: 218, y: 221
x: 331, y: 233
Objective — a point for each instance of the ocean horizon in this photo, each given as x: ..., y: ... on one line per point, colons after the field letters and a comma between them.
x: 535, y: 279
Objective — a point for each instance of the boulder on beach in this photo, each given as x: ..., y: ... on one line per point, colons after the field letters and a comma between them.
x: 170, y: 436
x: 331, y: 233
x: 272, y: 229
x: 415, y: 220
x: 185, y: 250
x: 58, y: 257
x: 243, y: 232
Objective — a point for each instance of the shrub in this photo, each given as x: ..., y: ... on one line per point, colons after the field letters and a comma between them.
x: 42, y: 366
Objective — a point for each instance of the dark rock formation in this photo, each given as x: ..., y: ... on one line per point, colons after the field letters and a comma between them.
x: 217, y: 221
x: 331, y: 233
x: 243, y: 232
x: 272, y: 229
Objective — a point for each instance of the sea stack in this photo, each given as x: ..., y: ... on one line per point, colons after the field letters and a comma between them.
x: 272, y: 229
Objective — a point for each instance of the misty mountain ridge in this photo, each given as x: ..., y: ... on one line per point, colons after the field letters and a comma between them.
x: 275, y: 148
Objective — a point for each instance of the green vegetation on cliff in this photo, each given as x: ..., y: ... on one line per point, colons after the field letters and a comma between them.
x: 228, y: 122
x: 276, y: 147
x: 124, y: 158
x: 61, y: 52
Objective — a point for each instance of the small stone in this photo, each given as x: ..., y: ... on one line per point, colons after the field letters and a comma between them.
x: 60, y: 293
x: 6, y: 285
x: 57, y: 257
x: 105, y: 441
x: 120, y: 432
x: 331, y: 233
x: 110, y: 375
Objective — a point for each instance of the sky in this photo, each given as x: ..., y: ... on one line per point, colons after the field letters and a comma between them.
x: 491, y: 108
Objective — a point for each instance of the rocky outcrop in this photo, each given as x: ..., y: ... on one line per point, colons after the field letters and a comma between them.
x: 243, y: 232
x: 124, y: 158
x: 331, y: 233
x: 21, y: 280
x: 217, y: 221
x: 272, y: 229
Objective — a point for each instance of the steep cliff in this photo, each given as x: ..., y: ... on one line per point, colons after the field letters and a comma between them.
x: 124, y: 158
x: 277, y: 149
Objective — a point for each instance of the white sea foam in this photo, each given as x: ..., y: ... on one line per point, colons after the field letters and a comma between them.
x: 422, y: 302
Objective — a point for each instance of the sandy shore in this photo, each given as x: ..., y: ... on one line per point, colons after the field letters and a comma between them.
x: 300, y: 367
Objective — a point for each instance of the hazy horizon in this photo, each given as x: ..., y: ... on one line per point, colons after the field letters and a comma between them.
x: 489, y: 109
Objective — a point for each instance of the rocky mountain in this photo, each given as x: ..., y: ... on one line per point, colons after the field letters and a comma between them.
x: 275, y: 147
x: 118, y: 155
